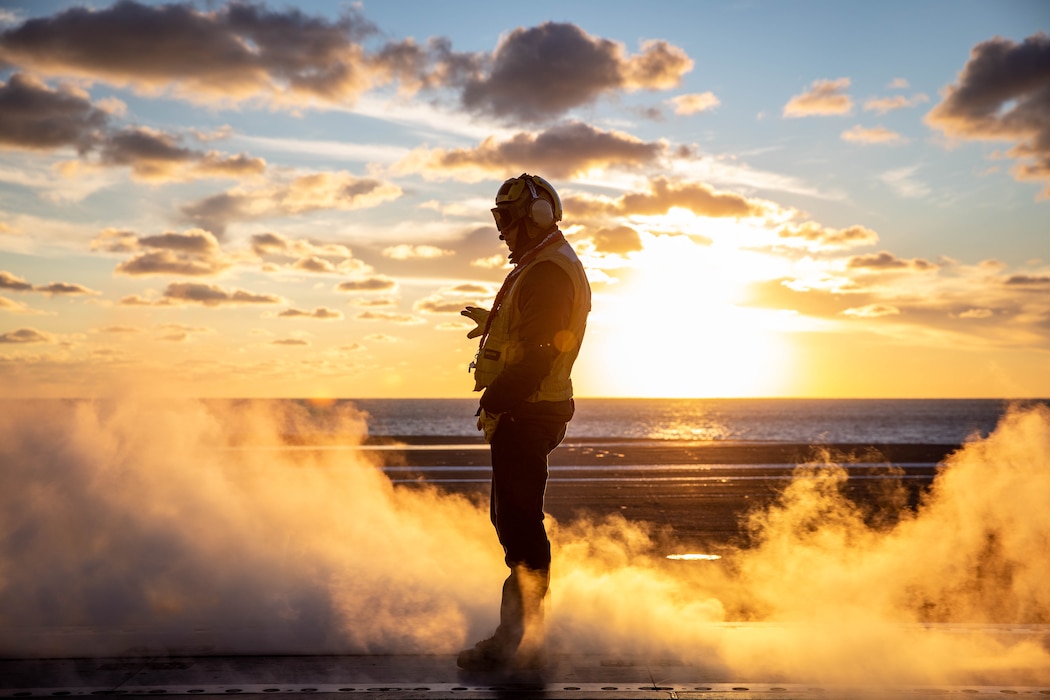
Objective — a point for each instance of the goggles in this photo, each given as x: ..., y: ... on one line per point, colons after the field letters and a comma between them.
x: 505, y: 217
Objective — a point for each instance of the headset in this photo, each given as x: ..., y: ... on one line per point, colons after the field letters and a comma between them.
x: 538, y: 209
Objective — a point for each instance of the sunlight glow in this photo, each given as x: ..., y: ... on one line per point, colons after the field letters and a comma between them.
x: 674, y: 327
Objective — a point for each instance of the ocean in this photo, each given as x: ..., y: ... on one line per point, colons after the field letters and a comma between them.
x: 797, y: 421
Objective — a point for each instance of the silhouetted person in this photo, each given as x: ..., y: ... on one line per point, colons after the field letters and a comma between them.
x: 529, y: 342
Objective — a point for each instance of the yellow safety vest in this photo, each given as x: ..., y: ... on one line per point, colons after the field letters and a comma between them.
x: 503, y: 347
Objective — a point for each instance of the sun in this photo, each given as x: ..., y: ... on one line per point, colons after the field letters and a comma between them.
x: 675, y: 328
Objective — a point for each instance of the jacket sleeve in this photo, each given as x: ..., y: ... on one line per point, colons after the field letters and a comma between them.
x: 545, y: 304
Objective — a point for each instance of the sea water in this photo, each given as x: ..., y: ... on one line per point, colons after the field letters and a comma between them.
x: 802, y: 421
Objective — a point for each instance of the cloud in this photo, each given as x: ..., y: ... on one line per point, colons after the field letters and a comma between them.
x: 620, y: 240
x: 975, y: 313
x: 64, y: 288
x: 824, y: 98
x: 878, y: 134
x: 543, y: 72
x: 492, y: 262
x: 194, y: 252
x: 234, y: 53
x: 1028, y: 280
x: 24, y: 336
x: 320, y: 313
x: 439, y: 305
x: 817, y: 237
x: 375, y: 303
x: 694, y: 103
x: 214, y: 295
x: 1003, y: 94
x: 15, y: 283
x: 305, y: 256
x: 158, y: 156
x: 36, y: 117
x: 872, y: 311
x: 407, y: 252
x: 369, y: 284
x: 290, y: 342
x: 561, y: 151
x: 902, y: 182
x: 697, y: 197
x: 14, y: 307
x: 304, y: 193
x: 882, y: 105
x: 885, y: 261
x: 385, y: 316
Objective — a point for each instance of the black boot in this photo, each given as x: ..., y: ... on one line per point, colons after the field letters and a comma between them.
x: 518, y: 641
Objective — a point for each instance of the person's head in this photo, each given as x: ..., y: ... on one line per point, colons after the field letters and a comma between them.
x: 527, y: 207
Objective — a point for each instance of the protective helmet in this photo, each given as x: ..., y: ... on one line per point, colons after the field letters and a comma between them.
x: 527, y: 196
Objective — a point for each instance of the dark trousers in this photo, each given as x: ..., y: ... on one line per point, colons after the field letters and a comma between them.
x: 519, y: 478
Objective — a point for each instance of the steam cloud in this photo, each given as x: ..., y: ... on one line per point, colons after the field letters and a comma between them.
x: 143, y: 524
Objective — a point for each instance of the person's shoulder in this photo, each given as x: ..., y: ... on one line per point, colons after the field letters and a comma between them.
x: 547, y: 272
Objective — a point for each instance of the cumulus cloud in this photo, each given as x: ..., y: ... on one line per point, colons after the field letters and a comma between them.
x: 694, y: 103
x: 24, y: 336
x: 64, y: 288
x: 15, y: 283
x: 320, y: 313
x: 407, y: 252
x: 438, y: 304
x: 213, y: 295
x: 882, y: 105
x: 1003, y: 94
x: 886, y: 261
x: 619, y: 240
x: 812, y: 235
x: 243, y: 51
x: 543, y: 72
x: 194, y: 253
x: 368, y: 284
x: 159, y: 156
x: 302, y: 194
x: 824, y: 98
x: 279, y: 251
x: 34, y: 116
x: 1040, y: 281
x: 236, y: 52
x: 877, y: 134
x: 560, y: 151
x: 697, y: 197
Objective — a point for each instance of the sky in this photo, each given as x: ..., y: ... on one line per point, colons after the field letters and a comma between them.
x: 771, y: 199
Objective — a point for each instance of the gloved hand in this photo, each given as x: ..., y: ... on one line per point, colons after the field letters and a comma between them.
x: 487, y: 423
x: 479, y: 316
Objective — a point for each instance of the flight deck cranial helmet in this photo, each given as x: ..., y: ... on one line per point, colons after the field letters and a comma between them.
x: 526, y: 196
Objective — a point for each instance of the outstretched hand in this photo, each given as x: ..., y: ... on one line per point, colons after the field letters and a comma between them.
x: 479, y: 316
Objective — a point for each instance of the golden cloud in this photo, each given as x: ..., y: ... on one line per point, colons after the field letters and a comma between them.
x: 824, y: 98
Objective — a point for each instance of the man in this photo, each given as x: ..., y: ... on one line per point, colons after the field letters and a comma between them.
x: 529, y: 342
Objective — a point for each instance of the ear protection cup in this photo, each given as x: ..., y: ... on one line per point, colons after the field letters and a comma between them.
x: 541, y: 213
